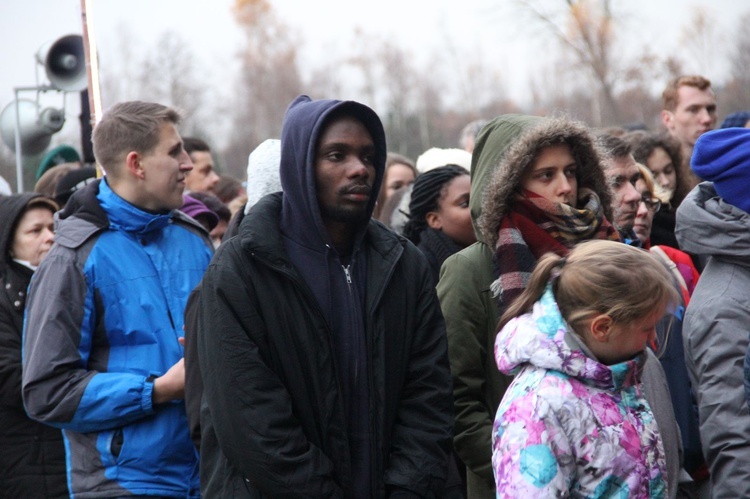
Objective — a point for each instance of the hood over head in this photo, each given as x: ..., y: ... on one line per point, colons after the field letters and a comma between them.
x: 490, y: 147
x: 707, y: 225
x: 520, y: 151
x: 11, y: 209
x: 304, y: 123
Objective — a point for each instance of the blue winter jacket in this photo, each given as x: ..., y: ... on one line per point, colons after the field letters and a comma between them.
x: 105, y: 310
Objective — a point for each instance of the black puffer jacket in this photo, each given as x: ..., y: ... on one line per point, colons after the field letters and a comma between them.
x: 261, y: 333
x: 32, y: 455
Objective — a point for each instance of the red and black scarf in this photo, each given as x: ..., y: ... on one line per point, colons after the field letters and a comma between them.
x: 535, y: 226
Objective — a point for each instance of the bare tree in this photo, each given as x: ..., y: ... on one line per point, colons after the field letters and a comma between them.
x: 586, y: 28
x: 269, y: 79
x: 700, y: 42
x: 736, y: 95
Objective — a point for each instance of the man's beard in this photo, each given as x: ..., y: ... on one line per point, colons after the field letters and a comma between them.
x: 341, y: 214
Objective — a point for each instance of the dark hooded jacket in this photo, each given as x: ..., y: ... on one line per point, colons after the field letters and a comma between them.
x: 32, y: 461
x: 320, y: 381
x: 715, y: 333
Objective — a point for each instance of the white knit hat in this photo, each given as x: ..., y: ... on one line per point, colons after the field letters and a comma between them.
x: 436, y: 157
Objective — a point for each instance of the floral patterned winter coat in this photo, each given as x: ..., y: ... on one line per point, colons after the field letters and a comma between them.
x: 569, y: 425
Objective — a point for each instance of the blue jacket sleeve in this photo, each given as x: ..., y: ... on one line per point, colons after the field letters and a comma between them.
x: 58, y: 388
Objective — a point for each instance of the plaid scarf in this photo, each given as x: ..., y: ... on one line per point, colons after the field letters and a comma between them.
x: 535, y: 226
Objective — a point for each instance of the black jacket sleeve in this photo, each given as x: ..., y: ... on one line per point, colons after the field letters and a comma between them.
x: 249, y: 406
x: 423, y: 429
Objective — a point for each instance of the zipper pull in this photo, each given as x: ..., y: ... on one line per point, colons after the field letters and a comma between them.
x: 348, y: 275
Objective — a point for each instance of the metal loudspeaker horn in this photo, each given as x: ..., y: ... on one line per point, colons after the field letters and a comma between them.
x: 65, y: 63
x: 35, y: 126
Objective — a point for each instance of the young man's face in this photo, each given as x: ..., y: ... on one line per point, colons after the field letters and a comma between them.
x: 202, y: 178
x: 345, y: 171
x: 164, y: 169
x: 623, y: 174
x: 694, y: 115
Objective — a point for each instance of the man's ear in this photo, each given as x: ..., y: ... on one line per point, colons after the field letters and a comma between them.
x: 600, y: 327
x: 666, y: 118
x: 133, y: 164
x: 433, y: 220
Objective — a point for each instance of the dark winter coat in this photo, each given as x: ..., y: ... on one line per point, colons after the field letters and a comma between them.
x: 32, y: 455
x: 270, y: 311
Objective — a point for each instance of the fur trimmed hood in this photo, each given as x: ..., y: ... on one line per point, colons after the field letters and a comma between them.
x: 519, y: 156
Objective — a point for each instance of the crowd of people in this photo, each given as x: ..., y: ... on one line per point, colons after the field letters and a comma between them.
x: 548, y: 310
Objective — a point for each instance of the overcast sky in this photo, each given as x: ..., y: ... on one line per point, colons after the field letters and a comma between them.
x: 423, y: 27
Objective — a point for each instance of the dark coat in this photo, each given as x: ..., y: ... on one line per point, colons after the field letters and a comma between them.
x: 272, y: 417
x: 32, y: 455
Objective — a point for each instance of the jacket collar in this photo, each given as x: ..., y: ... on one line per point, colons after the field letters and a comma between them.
x: 260, y: 235
x: 125, y: 216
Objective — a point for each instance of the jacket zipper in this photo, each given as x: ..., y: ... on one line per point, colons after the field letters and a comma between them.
x: 348, y: 276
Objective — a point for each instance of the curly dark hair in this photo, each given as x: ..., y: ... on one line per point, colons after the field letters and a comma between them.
x: 644, y: 144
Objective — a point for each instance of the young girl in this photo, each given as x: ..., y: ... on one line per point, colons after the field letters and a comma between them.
x: 575, y: 420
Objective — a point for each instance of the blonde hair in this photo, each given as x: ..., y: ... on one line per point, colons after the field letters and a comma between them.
x: 655, y: 189
x: 599, y: 277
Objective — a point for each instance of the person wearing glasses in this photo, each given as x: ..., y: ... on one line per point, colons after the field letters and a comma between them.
x: 622, y: 173
x: 669, y: 347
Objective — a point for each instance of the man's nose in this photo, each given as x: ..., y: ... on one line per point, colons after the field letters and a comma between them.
x: 632, y: 195
x: 357, y: 168
x: 186, y: 164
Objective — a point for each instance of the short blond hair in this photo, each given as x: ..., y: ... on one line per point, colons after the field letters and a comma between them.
x: 129, y: 126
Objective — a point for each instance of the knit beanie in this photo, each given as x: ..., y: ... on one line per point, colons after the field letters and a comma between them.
x: 435, y: 157
x: 723, y: 157
x: 263, y: 171
x: 738, y: 119
x: 198, y: 211
x: 73, y: 180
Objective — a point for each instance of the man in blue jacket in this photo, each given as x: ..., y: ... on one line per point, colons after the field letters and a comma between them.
x: 102, y: 338
x: 320, y: 340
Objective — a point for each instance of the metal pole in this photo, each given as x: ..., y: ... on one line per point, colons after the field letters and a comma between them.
x: 19, y: 155
x: 92, y: 66
x: 19, y: 152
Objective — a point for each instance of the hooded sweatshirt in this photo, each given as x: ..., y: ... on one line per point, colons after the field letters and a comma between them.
x: 338, y: 284
x: 569, y: 424
x: 279, y: 332
x: 715, y: 333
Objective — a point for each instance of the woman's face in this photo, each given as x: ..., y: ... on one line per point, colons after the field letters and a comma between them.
x: 553, y: 175
x: 34, y: 236
x: 664, y: 172
x: 396, y: 177
x: 644, y: 216
x: 453, y: 216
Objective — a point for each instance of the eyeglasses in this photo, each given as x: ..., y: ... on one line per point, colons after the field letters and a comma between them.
x: 653, y: 205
